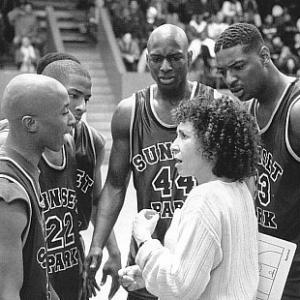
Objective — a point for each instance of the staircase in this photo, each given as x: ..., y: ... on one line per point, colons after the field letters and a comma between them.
x: 71, y: 23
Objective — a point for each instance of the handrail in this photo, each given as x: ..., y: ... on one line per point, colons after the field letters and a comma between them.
x: 54, y: 40
x: 111, y: 39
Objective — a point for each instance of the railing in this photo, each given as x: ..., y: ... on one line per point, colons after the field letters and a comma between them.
x: 54, y: 40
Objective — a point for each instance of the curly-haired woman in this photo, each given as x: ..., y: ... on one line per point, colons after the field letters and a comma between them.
x: 210, y: 249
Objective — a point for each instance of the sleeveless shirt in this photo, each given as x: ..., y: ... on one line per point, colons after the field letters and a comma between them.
x: 278, y: 192
x: 59, y: 202
x: 155, y: 178
x: 35, y: 278
x: 85, y: 174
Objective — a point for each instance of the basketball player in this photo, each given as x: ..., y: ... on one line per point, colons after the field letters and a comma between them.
x: 89, y: 150
x: 244, y: 60
x: 143, y: 129
x: 37, y: 109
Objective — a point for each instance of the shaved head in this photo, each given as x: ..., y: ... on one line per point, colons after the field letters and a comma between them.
x: 168, y: 31
x: 30, y: 94
x: 61, y: 69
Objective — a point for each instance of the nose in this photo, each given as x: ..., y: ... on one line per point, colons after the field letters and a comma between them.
x: 71, y: 120
x: 81, y: 107
x: 165, y: 66
x: 230, y: 77
x: 174, y: 147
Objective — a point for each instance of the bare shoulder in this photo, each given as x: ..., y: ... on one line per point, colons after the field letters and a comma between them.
x: 121, y: 119
x: 14, y: 206
x: 295, y: 117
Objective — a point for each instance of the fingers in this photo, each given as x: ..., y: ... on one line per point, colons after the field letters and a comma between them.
x: 114, y: 287
x: 104, y: 277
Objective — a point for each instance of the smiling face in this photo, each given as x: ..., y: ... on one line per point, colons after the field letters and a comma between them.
x: 187, y: 151
x: 243, y: 72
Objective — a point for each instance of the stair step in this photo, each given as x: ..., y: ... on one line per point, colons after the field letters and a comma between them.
x: 37, y: 4
x: 73, y: 37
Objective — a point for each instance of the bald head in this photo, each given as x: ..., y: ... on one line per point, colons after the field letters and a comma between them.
x: 168, y: 31
x: 61, y: 69
x: 31, y: 94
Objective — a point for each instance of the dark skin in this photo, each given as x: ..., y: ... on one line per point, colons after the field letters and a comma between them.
x: 253, y: 75
x: 168, y: 61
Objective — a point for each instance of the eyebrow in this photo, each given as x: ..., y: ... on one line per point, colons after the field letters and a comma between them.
x: 235, y: 63
x: 78, y: 91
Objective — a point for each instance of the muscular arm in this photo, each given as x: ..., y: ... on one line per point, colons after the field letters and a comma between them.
x: 294, y: 127
x: 113, y: 194
x: 13, y: 218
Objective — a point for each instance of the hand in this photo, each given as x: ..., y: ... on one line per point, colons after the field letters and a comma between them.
x: 111, y: 267
x: 131, y: 278
x: 89, y: 287
x: 91, y: 265
x: 144, y: 225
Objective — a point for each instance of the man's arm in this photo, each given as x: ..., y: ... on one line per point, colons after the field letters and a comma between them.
x: 13, y: 218
x: 294, y: 127
x: 113, y: 264
x: 113, y: 193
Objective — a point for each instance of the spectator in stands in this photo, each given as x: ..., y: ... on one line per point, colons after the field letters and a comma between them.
x: 216, y: 26
x: 2, y: 39
x: 290, y: 66
x: 296, y: 44
x: 26, y: 56
x: 251, y: 14
x: 25, y: 23
x: 198, y: 23
x: 268, y: 29
x: 137, y: 22
x: 130, y: 52
x: 232, y: 10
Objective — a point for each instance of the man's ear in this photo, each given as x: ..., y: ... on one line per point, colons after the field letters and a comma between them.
x: 265, y: 55
x: 30, y: 123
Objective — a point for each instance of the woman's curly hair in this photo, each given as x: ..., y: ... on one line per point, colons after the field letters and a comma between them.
x: 227, y: 133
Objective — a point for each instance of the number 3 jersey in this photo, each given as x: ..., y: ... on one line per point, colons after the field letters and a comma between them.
x: 157, y: 183
x: 278, y: 187
x: 59, y: 204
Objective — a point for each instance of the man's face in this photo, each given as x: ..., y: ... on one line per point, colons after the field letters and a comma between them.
x: 168, y: 62
x: 79, y: 89
x: 56, y: 121
x: 242, y: 72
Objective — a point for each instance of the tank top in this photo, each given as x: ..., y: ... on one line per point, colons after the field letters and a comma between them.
x: 58, y: 197
x: 35, y: 278
x: 85, y: 173
x: 278, y: 193
x: 155, y: 178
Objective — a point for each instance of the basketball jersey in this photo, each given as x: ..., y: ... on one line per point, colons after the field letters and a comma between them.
x: 35, y: 279
x: 85, y: 173
x: 278, y: 193
x: 58, y: 198
x: 155, y: 178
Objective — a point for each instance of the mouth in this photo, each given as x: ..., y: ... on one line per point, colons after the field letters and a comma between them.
x: 78, y: 117
x: 177, y: 162
x: 166, y: 80
x: 237, y: 91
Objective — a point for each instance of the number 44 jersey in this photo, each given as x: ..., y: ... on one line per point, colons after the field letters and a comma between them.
x: 155, y: 177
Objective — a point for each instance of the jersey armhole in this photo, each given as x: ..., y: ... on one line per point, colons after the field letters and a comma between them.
x: 29, y: 208
x: 287, y: 140
x: 132, y: 119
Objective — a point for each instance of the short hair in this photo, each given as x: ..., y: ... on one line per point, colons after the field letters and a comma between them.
x: 60, y: 70
x: 227, y: 133
x: 52, y: 57
x: 243, y: 34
